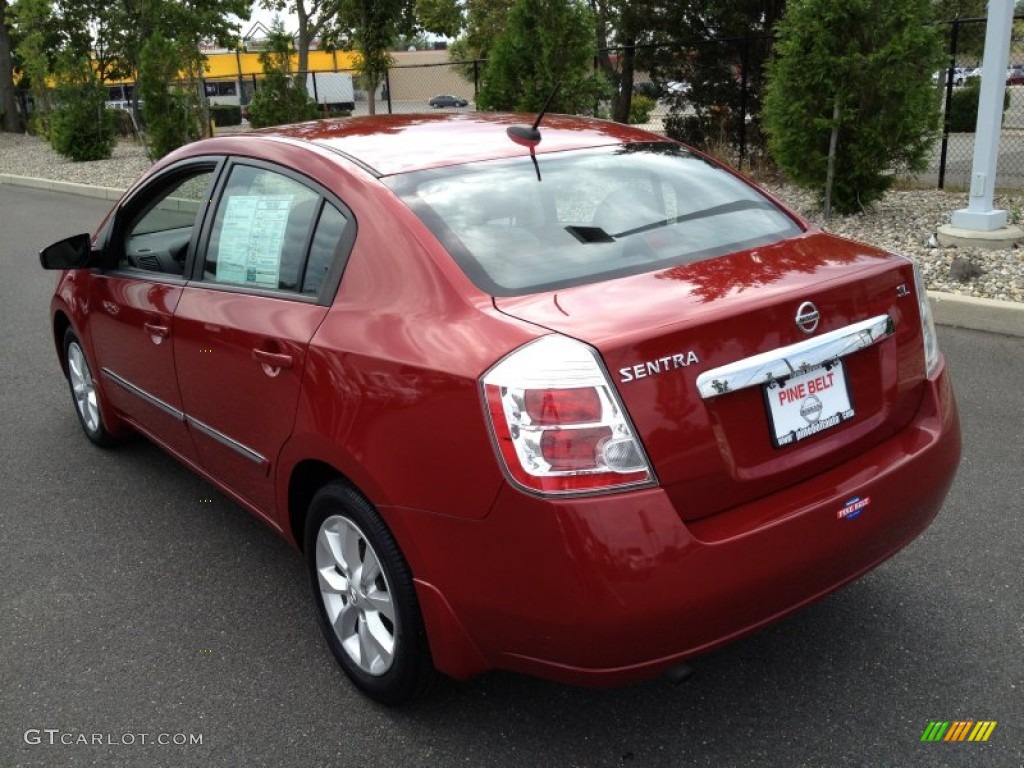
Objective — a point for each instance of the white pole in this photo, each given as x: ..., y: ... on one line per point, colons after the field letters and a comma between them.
x: 979, y: 214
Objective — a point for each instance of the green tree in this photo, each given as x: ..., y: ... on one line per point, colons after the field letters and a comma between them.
x: 56, y: 54
x: 619, y: 21
x: 81, y: 128
x: 480, y: 23
x: 970, y: 37
x: 369, y: 27
x: 723, y: 49
x: 545, y: 42
x: 282, y: 97
x: 315, y: 18
x: 850, y: 97
x: 111, y: 34
x: 127, y: 25
x: 169, y: 112
x: 442, y: 17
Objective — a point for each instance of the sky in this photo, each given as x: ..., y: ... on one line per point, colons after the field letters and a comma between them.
x: 291, y: 24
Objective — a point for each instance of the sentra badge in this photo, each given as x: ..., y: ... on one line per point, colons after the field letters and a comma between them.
x: 661, y: 365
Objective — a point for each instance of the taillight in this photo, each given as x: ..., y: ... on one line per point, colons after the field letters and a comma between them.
x: 932, y: 355
x: 558, y: 423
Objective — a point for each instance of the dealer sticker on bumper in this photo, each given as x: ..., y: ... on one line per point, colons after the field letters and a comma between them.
x: 807, y: 404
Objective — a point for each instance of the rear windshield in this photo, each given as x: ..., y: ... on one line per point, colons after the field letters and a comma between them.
x: 593, y: 215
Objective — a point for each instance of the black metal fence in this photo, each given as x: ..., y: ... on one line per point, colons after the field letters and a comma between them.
x: 952, y: 158
x: 706, y: 93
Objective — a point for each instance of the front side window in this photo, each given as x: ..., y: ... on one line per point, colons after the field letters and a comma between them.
x: 156, y: 239
x: 261, y: 231
x: 594, y: 214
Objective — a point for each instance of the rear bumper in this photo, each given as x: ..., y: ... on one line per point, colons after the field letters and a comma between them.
x: 613, y: 589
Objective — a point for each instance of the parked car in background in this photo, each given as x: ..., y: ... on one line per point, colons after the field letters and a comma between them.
x: 959, y: 76
x: 581, y: 407
x: 675, y: 88
x: 1015, y: 75
x: 447, y: 100
x: 648, y: 88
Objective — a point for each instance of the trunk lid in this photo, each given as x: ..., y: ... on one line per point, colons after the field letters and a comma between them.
x: 658, y: 332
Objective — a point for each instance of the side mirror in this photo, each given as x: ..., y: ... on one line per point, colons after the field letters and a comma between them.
x: 70, y: 253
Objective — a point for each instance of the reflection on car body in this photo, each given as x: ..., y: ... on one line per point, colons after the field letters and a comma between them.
x: 447, y: 100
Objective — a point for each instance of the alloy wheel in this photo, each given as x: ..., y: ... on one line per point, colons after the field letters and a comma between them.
x: 356, y: 595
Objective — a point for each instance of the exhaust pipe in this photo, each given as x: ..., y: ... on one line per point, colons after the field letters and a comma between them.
x: 680, y: 673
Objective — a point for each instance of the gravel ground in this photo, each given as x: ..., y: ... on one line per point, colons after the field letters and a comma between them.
x: 904, y: 222
x: 28, y: 156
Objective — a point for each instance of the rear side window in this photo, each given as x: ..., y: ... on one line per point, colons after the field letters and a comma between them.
x: 595, y: 214
x: 321, y: 253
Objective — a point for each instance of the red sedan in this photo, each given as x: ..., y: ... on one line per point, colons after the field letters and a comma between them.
x: 581, y: 408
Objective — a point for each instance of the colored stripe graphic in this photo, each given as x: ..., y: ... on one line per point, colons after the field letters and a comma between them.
x: 982, y: 730
x: 959, y: 730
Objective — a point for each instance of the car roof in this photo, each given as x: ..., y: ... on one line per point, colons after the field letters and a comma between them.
x: 391, y: 144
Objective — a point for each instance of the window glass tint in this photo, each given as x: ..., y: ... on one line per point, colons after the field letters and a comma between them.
x: 595, y: 214
x: 157, y: 239
x: 321, y: 253
x: 260, y: 231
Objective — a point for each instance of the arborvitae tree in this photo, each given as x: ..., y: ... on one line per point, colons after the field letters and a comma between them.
x: 81, y: 128
x: 861, y: 70
x: 544, y: 42
x: 170, y: 114
x: 281, y: 97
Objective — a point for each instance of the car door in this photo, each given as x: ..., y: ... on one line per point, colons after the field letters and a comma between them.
x: 243, y: 325
x: 132, y: 301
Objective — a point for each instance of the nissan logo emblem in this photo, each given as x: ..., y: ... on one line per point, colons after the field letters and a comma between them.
x: 807, y: 317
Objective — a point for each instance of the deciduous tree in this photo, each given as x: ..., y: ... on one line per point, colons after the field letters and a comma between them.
x: 315, y: 18
x: 369, y: 27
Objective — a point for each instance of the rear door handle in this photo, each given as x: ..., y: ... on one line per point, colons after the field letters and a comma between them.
x: 157, y: 333
x: 272, y: 359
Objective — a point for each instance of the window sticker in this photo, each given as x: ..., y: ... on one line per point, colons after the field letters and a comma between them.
x: 252, y: 238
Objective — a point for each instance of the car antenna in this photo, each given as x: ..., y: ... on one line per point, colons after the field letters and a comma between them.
x: 529, y: 135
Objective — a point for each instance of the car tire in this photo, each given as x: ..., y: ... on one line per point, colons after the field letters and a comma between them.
x: 365, y: 600
x: 85, y: 395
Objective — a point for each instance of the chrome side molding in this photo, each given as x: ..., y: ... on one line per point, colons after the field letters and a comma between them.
x: 213, y: 434
x: 153, y: 400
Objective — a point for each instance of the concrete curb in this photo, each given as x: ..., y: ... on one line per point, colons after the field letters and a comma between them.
x: 1006, y: 317
x: 68, y: 187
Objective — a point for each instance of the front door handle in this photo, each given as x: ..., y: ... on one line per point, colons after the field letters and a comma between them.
x: 271, y: 359
x: 157, y: 333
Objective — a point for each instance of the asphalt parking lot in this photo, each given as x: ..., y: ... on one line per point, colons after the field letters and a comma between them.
x: 137, y: 601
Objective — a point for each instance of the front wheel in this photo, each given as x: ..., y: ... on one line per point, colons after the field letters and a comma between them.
x: 365, y: 600
x: 84, y: 392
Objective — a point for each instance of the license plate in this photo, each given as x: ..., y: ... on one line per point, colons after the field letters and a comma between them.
x: 808, y: 403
